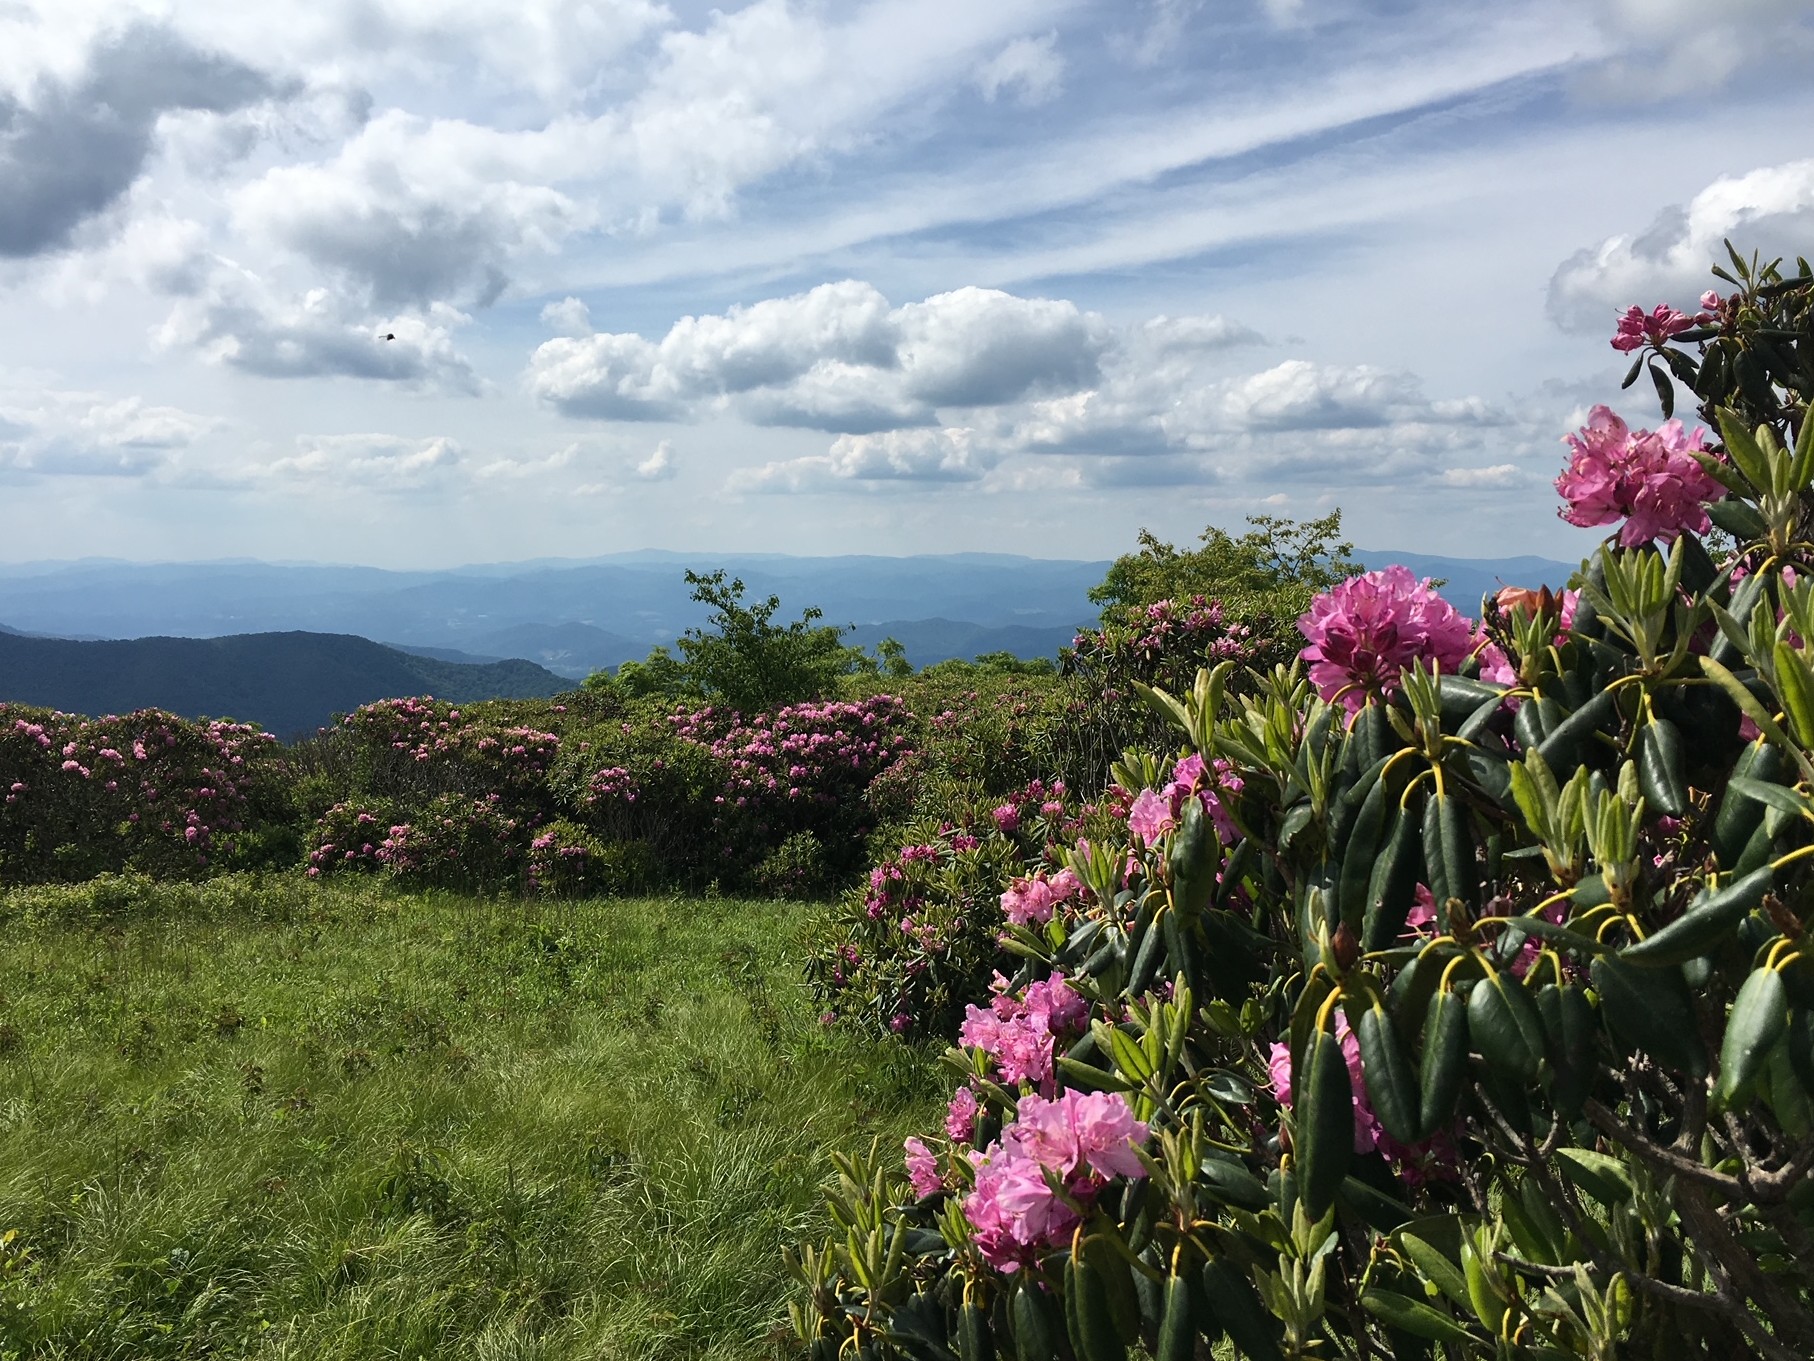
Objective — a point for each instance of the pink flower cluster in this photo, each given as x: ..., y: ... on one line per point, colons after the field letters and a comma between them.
x: 807, y: 754
x: 422, y: 729
x: 146, y: 788
x: 1365, y: 631
x: 1648, y: 478
x: 1156, y: 812
x: 1083, y: 1139
x: 1019, y: 1034
x: 1030, y: 901
x: 1638, y: 328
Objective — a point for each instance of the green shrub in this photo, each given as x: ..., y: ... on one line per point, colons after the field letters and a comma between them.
x: 1455, y: 995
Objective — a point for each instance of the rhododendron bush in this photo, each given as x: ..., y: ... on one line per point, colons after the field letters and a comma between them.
x: 146, y: 791
x: 1449, y: 991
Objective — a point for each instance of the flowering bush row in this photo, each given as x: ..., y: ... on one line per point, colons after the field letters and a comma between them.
x: 144, y: 791
x: 1455, y: 998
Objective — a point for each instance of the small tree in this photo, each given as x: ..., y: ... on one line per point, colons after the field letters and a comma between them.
x: 746, y: 660
x: 1274, y: 569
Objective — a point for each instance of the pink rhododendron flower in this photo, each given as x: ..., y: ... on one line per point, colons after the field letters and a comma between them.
x: 1150, y: 817
x: 1495, y: 667
x: 1210, y: 783
x: 1007, y: 819
x: 1648, y: 478
x: 1013, y: 1210
x: 1030, y: 901
x: 1365, y: 631
x: 1636, y: 327
x: 1019, y: 1034
x: 1423, y: 911
x: 922, y: 1169
x: 1081, y: 1138
x: 960, y: 1116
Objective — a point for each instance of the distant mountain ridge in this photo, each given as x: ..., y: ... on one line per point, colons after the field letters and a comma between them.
x: 449, y: 632
x: 289, y: 683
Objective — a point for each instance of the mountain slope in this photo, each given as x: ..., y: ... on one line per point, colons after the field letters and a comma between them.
x: 291, y: 683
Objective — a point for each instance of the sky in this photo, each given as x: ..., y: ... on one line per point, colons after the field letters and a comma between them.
x: 416, y: 283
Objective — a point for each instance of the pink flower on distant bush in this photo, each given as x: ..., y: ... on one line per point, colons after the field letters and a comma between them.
x: 1030, y: 901
x: 1648, y: 478
x: 922, y: 1169
x: 1637, y: 327
x: 1365, y: 631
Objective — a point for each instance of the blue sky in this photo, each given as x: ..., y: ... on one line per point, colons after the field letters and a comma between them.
x: 888, y: 276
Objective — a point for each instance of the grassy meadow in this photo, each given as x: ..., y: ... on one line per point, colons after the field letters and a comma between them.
x: 277, y: 1119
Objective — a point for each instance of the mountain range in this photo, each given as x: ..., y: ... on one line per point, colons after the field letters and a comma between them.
x: 288, y: 644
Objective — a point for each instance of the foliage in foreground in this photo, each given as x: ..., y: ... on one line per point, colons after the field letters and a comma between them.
x: 1454, y: 994
x: 282, y: 1119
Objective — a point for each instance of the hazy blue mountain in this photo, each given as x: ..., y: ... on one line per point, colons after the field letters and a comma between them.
x: 642, y: 598
x: 574, y: 617
x: 290, y: 683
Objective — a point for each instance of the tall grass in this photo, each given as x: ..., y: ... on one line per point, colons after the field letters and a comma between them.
x: 282, y: 1120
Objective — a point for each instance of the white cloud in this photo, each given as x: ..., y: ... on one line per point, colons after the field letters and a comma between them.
x: 1769, y: 210
x: 835, y: 358
x: 903, y: 457
x: 57, y: 432
x: 1029, y: 69
x: 658, y: 466
x: 69, y: 432
x: 233, y: 318
x: 1667, y: 48
x: 1495, y: 475
x: 568, y: 317
x: 376, y: 462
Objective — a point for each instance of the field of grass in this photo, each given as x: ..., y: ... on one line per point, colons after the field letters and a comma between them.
x: 284, y: 1120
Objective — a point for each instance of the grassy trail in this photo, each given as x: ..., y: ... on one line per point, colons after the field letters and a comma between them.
x: 289, y: 1121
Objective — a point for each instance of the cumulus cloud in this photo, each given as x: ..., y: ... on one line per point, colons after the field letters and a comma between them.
x: 1495, y: 475
x: 54, y: 432
x: 1028, y: 69
x: 659, y: 465
x: 568, y: 317
x: 71, y: 148
x: 836, y: 358
x: 376, y: 462
x: 233, y: 318
x: 413, y: 210
x: 899, y: 456
x: 1770, y: 210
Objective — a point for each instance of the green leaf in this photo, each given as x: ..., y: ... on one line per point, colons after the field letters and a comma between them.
x: 1505, y: 1027
x: 1603, y: 1177
x: 1703, y: 925
x: 1660, y: 767
x: 1760, y: 1016
x: 1746, y: 701
x: 1795, y: 685
x: 1232, y: 1184
x: 1743, y: 449
x: 1325, y: 1123
x: 1386, y: 1070
x: 1738, y: 519
x: 1401, y: 1311
x: 1436, y: 1267
x: 1445, y: 1056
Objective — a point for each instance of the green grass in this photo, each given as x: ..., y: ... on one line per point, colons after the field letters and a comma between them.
x: 282, y: 1120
